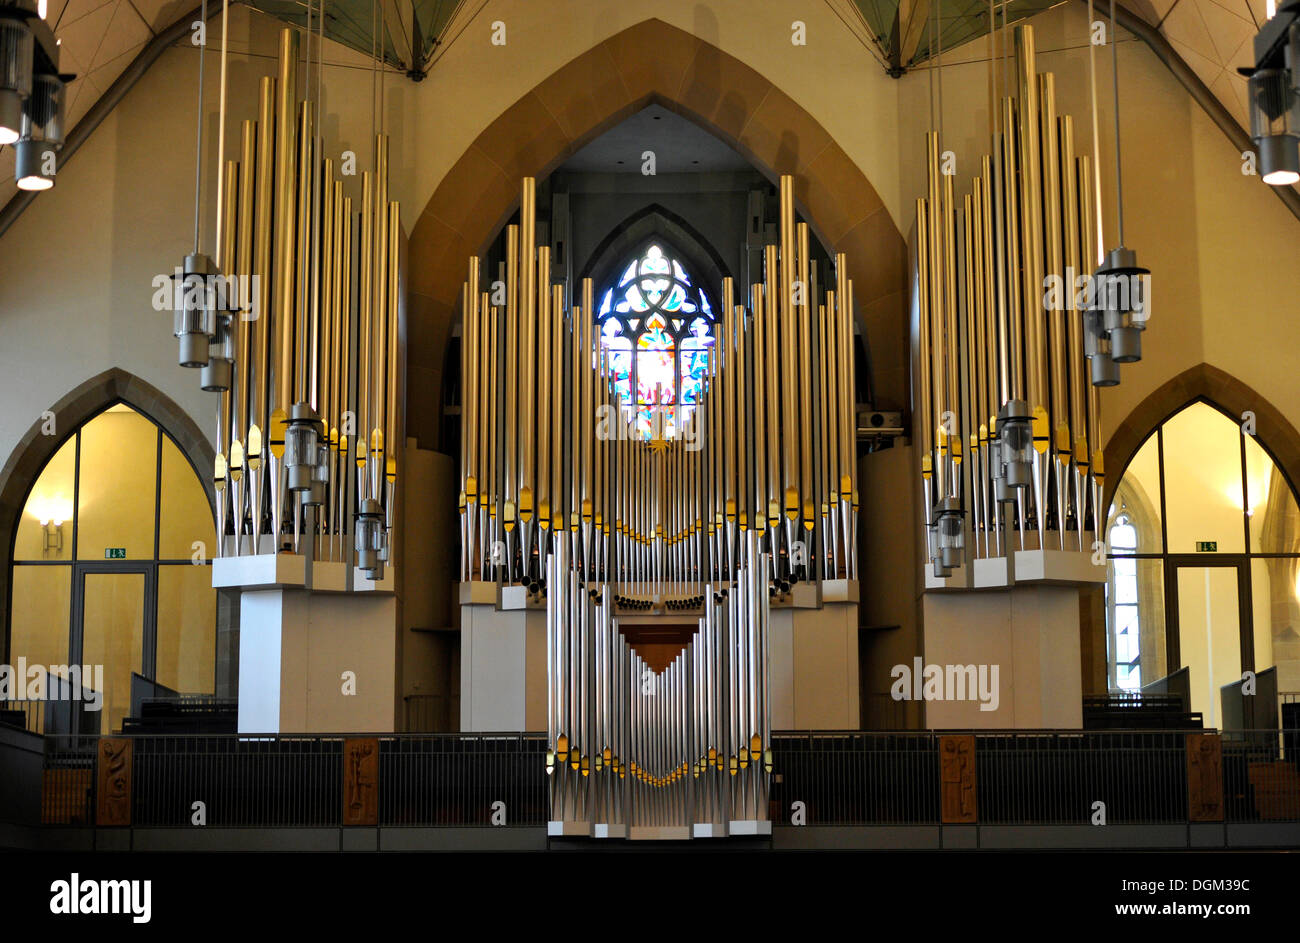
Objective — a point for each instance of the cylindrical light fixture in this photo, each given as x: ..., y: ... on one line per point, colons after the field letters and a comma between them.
x: 195, y: 321
x: 17, y: 48
x: 216, y: 373
x: 369, y: 532
x: 42, y: 134
x: 1275, y: 126
x: 1122, y: 288
x: 320, y: 476
x: 301, y: 440
x: 1016, y: 438
x: 951, y: 538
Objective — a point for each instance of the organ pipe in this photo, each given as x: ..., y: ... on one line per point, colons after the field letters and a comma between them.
x: 312, y: 311
x: 1006, y: 414
x: 723, y: 510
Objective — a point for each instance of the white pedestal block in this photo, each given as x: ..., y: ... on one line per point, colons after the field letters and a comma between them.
x: 262, y: 571
x: 1057, y: 566
x: 364, y: 584
x: 991, y: 573
x: 750, y: 827
x: 316, y: 663
x: 960, y: 578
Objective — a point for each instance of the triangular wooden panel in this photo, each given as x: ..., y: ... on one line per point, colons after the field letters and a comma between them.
x: 658, y: 645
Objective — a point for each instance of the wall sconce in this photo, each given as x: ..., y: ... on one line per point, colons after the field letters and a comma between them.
x: 52, y: 536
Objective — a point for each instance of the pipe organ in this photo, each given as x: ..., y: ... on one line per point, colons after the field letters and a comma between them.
x: 304, y: 351
x: 738, y: 505
x: 1006, y: 413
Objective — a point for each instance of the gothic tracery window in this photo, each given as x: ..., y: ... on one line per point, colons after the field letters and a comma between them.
x: 656, y: 327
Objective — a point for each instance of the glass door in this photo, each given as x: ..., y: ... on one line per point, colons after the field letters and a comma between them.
x: 1210, y: 601
x: 111, y: 629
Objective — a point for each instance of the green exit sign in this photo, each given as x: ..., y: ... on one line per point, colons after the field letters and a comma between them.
x: 114, y: 553
x: 1207, y: 546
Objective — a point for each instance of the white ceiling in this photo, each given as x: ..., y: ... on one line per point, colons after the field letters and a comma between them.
x: 1214, y: 37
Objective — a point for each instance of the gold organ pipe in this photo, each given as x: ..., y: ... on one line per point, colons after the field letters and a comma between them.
x: 1073, y: 318
x: 952, y: 391
x: 393, y: 439
x: 588, y: 428
x: 759, y: 504
x: 510, y: 339
x: 742, y: 424
x: 729, y: 385
x: 557, y: 409
x: 803, y: 312
x: 261, y: 385
x: 771, y: 362
x: 841, y: 305
x: 244, y: 364
x: 1091, y: 247
x: 544, y: 387
x: 938, y: 375
x: 526, y: 302
x: 1031, y: 238
x: 302, y: 336
x: 1014, y: 329
x: 788, y: 346
x: 925, y: 403
x: 286, y: 174
x: 994, y: 303
x: 327, y: 349
x: 379, y: 316
x: 1058, y: 321
x: 365, y: 347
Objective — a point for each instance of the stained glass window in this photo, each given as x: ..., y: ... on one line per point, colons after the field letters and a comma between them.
x: 657, y: 328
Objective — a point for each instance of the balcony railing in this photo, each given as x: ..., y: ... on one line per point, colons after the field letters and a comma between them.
x: 841, y: 778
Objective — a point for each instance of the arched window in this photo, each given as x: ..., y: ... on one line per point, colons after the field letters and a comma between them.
x: 109, y: 569
x: 1204, y: 568
x: 656, y: 327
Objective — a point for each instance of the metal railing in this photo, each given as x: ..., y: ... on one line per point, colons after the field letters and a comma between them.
x: 852, y: 778
x: 295, y: 781
x: 1029, y: 777
x: 455, y: 779
x: 274, y: 781
x: 1057, y: 778
x: 842, y: 778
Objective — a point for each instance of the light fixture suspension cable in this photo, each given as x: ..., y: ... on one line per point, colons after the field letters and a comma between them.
x: 1119, y: 170
x: 221, y: 131
x: 198, y: 149
x: 1096, y: 133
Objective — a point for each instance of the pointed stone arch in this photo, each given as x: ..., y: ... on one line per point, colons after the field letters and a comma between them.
x: 652, y: 62
x: 644, y: 226
x: 35, y: 449
x: 1274, y: 432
